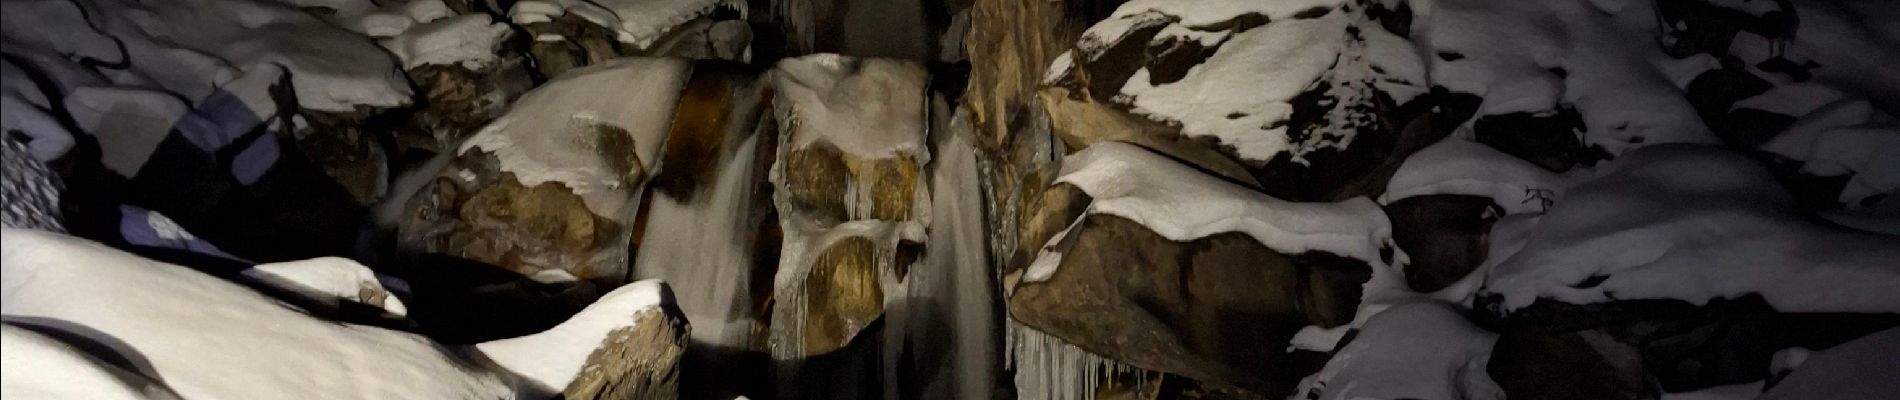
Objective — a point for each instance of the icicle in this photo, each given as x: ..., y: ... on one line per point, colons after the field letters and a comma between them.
x: 1048, y: 368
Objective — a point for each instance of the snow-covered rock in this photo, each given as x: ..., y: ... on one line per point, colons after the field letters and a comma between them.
x: 1130, y: 254
x: 1325, y: 110
x: 576, y: 33
x: 556, y: 182
x: 1410, y: 351
x: 198, y: 336
x: 1696, y: 223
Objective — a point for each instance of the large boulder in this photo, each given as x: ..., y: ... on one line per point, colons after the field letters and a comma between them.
x: 555, y: 183
x: 1149, y: 262
x: 1327, y: 119
x: 195, y: 336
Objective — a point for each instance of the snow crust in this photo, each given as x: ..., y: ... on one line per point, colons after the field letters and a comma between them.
x: 1511, y: 52
x: 330, y: 280
x: 1696, y: 223
x: 637, y: 22
x: 1423, y: 350
x: 869, y: 107
x: 548, y: 135
x: 209, y: 338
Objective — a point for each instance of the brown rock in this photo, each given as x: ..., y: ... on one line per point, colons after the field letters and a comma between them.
x: 842, y: 294
x: 1220, y: 309
x: 459, y: 101
x: 638, y: 362
x: 496, y: 220
x: 344, y: 144
x: 1446, y: 236
x: 585, y: 44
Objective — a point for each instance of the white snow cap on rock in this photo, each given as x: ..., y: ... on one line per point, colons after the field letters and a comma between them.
x: 209, y: 338
x: 329, y: 280
x: 869, y: 107
x: 636, y: 22
x: 1463, y: 167
x: 472, y: 41
x: 1696, y: 223
x: 548, y: 136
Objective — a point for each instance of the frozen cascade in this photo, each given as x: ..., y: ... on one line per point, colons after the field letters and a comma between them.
x: 703, y: 247
x: 952, y: 309
x: 1048, y: 368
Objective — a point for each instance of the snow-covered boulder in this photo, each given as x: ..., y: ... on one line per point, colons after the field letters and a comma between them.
x: 1696, y: 223
x: 1420, y: 350
x: 1324, y: 113
x: 556, y: 182
x: 1151, y: 263
x: 575, y: 33
x: 197, y: 336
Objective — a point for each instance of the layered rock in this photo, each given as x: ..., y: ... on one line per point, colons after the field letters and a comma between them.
x: 555, y: 183
x: 1151, y: 263
x: 1328, y: 119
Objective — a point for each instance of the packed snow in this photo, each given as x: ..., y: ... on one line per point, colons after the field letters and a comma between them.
x: 472, y: 41
x: 1462, y: 167
x: 549, y: 135
x: 869, y: 107
x: 1410, y: 351
x: 166, y: 316
x: 1183, y: 204
x: 1696, y: 223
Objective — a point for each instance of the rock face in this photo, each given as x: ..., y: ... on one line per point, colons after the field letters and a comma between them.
x: 554, y: 184
x: 1328, y: 119
x: 468, y: 68
x: 1446, y: 236
x: 1117, y: 261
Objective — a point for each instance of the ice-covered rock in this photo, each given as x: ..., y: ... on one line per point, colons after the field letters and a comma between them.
x: 198, y: 336
x: 1149, y: 262
x: 556, y: 182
